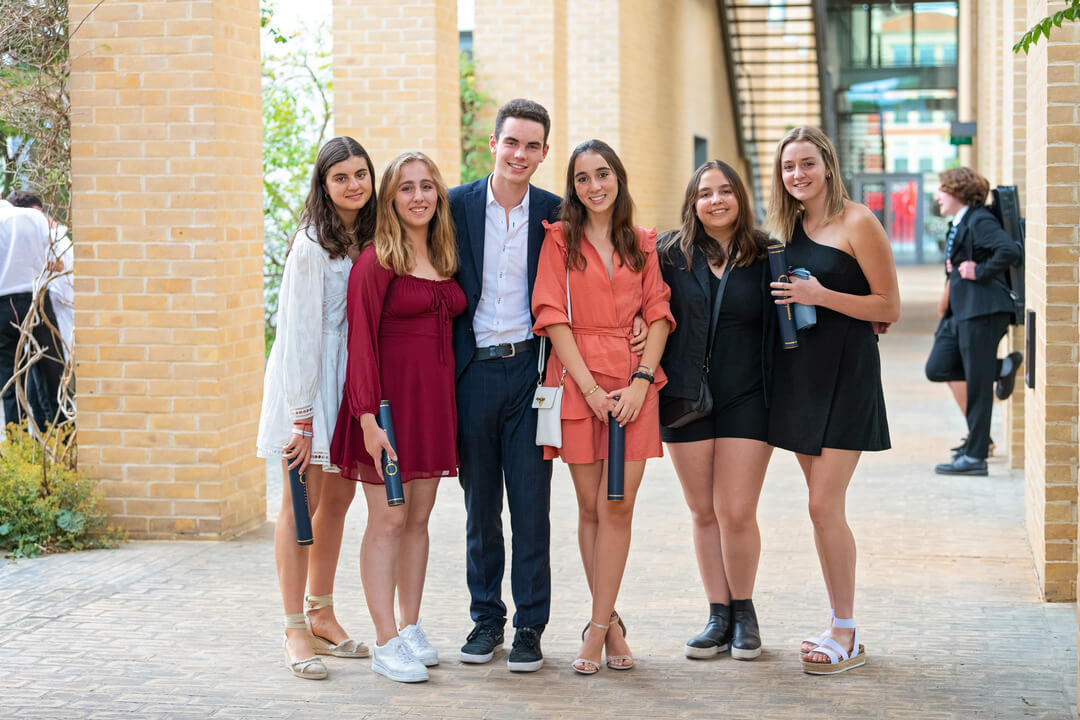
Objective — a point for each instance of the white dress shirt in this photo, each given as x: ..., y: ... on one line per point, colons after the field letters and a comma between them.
x: 24, y: 248
x: 503, y: 314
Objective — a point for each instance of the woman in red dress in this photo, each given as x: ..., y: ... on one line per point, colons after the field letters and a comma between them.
x: 613, y: 275
x: 402, y: 298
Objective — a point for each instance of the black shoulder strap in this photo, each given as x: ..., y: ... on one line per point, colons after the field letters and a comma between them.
x: 716, y: 309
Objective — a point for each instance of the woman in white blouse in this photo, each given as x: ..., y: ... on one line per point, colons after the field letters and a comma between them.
x: 302, y: 391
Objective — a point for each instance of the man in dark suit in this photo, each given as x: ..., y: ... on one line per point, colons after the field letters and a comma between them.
x: 498, y: 225
x: 978, y: 253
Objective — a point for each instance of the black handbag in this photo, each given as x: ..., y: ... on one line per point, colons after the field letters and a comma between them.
x: 676, y: 412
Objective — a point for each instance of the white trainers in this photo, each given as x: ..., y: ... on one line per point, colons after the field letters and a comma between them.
x: 396, y: 661
x: 414, y: 637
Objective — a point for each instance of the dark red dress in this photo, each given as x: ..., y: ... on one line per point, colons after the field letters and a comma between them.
x: 399, y: 350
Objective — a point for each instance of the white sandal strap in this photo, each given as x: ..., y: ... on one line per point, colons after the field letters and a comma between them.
x: 296, y: 621
x: 318, y: 602
x: 844, y: 623
x: 828, y: 646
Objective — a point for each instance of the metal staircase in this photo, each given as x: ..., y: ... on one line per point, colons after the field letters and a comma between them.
x: 777, y: 72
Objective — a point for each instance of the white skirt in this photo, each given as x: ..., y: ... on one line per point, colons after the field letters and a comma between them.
x: 275, y: 423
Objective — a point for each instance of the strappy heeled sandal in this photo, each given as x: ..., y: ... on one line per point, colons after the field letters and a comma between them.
x: 840, y: 660
x: 311, y: 668
x: 622, y: 662
x: 815, y: 641
x: 347, y: 648
x: 590, y: 667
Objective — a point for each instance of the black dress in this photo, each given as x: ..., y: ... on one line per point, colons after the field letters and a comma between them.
x: 827, y: 392
x: 735, y: 369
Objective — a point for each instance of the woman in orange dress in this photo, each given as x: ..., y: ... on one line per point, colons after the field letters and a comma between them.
x: 613, y: 275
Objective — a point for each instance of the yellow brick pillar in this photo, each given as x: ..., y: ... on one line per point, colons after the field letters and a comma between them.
x: 511, y: 63
x: 1053, y: 196
x: 166, y: 145
x: 1014, y: 172
x: 396, y: 79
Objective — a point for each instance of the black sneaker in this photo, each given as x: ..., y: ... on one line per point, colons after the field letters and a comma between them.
x: 525, y: 656
x: 480, y: 646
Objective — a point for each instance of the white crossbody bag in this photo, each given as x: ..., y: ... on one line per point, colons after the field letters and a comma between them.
x: 548, y: 400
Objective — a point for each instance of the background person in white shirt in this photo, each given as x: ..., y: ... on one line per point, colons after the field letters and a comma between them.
x: 24, y: 253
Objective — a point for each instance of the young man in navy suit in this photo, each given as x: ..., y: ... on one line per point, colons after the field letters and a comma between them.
x: 498, y: 225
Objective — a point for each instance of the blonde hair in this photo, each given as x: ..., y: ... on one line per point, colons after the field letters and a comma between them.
x: 784, y: 210
x: 390, y: 246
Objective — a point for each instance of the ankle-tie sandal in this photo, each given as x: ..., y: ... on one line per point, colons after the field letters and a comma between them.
x: 840, y: 660
x: 347, y: 648
x: 591, y: 667
x: 311, y: 668
x: 613, y: 661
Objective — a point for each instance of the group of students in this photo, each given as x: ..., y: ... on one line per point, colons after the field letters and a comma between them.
x: 436, y: 300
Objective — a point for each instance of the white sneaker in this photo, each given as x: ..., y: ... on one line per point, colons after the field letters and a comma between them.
x: 396, y: 661
x: 414, y: 637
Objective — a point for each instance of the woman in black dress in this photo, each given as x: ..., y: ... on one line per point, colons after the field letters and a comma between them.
x: 720, y: 458
x: 833, y: 405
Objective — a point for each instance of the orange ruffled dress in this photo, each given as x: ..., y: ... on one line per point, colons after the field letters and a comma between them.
x: 603, y: 310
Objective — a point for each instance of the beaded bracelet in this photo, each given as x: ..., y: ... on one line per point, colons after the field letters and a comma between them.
x: 593, y: 389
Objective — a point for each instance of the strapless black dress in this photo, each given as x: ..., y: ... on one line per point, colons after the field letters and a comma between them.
x: 827, y: 392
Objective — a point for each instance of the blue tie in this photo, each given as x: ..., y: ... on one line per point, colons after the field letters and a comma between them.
x: 949, y: 240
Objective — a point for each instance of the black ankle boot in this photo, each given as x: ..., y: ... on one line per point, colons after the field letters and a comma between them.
x: 716, y: 636
x: 746, y: 640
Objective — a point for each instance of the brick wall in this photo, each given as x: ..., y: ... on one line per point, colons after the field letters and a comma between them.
x: 167, y: 210
x: 396, y: 79
x: 1053, y: 154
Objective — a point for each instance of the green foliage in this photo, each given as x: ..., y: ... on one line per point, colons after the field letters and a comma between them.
x: 296, y: 87
x: 1042, y: 28
x: 47, y: 507
x: 35, y: 127
x: 475, y: 152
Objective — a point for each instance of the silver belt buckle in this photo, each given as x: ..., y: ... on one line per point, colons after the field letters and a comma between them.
x: 513, y: 350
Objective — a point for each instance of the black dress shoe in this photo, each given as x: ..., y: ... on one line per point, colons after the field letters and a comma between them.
x: 716, y: 637
x: 525, y: 656
x: 745, y: 640
x: 480, y: 646
x: 1007, y: 381
x: 962, y: 466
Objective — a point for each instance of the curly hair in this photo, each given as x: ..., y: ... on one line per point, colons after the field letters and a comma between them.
x: 966, y: 185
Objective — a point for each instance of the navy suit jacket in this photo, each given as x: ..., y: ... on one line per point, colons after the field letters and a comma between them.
x: 467, y: 207
x: 981, y: 238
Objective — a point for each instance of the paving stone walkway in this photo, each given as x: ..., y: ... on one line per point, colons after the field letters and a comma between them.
x: 948, y: 607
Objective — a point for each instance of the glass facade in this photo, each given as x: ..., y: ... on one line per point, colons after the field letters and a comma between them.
x: 894, y: 81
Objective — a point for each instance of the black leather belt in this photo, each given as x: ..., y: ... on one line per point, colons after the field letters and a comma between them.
x: 505, y: 350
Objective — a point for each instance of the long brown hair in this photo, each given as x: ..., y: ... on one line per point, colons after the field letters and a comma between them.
x: 390, y: 246
x: 319, y: 214
x: 574, y: 214
x: 784, y: 210
x: 748, y: 243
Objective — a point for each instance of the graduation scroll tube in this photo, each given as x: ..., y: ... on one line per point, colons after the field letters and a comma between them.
x: 616, y: 459
x: 301, y: 513
x: 778, y: 268
x: 395, y: 493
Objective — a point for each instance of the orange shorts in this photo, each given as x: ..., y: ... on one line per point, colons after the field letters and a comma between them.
x: 586, y: 440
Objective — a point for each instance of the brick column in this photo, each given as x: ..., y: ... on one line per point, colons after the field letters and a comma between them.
x: 1053, y: 153
x: 166, y: 145
x: 511, y: 63
x: 1014, y: 172
x: 396, y: 79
